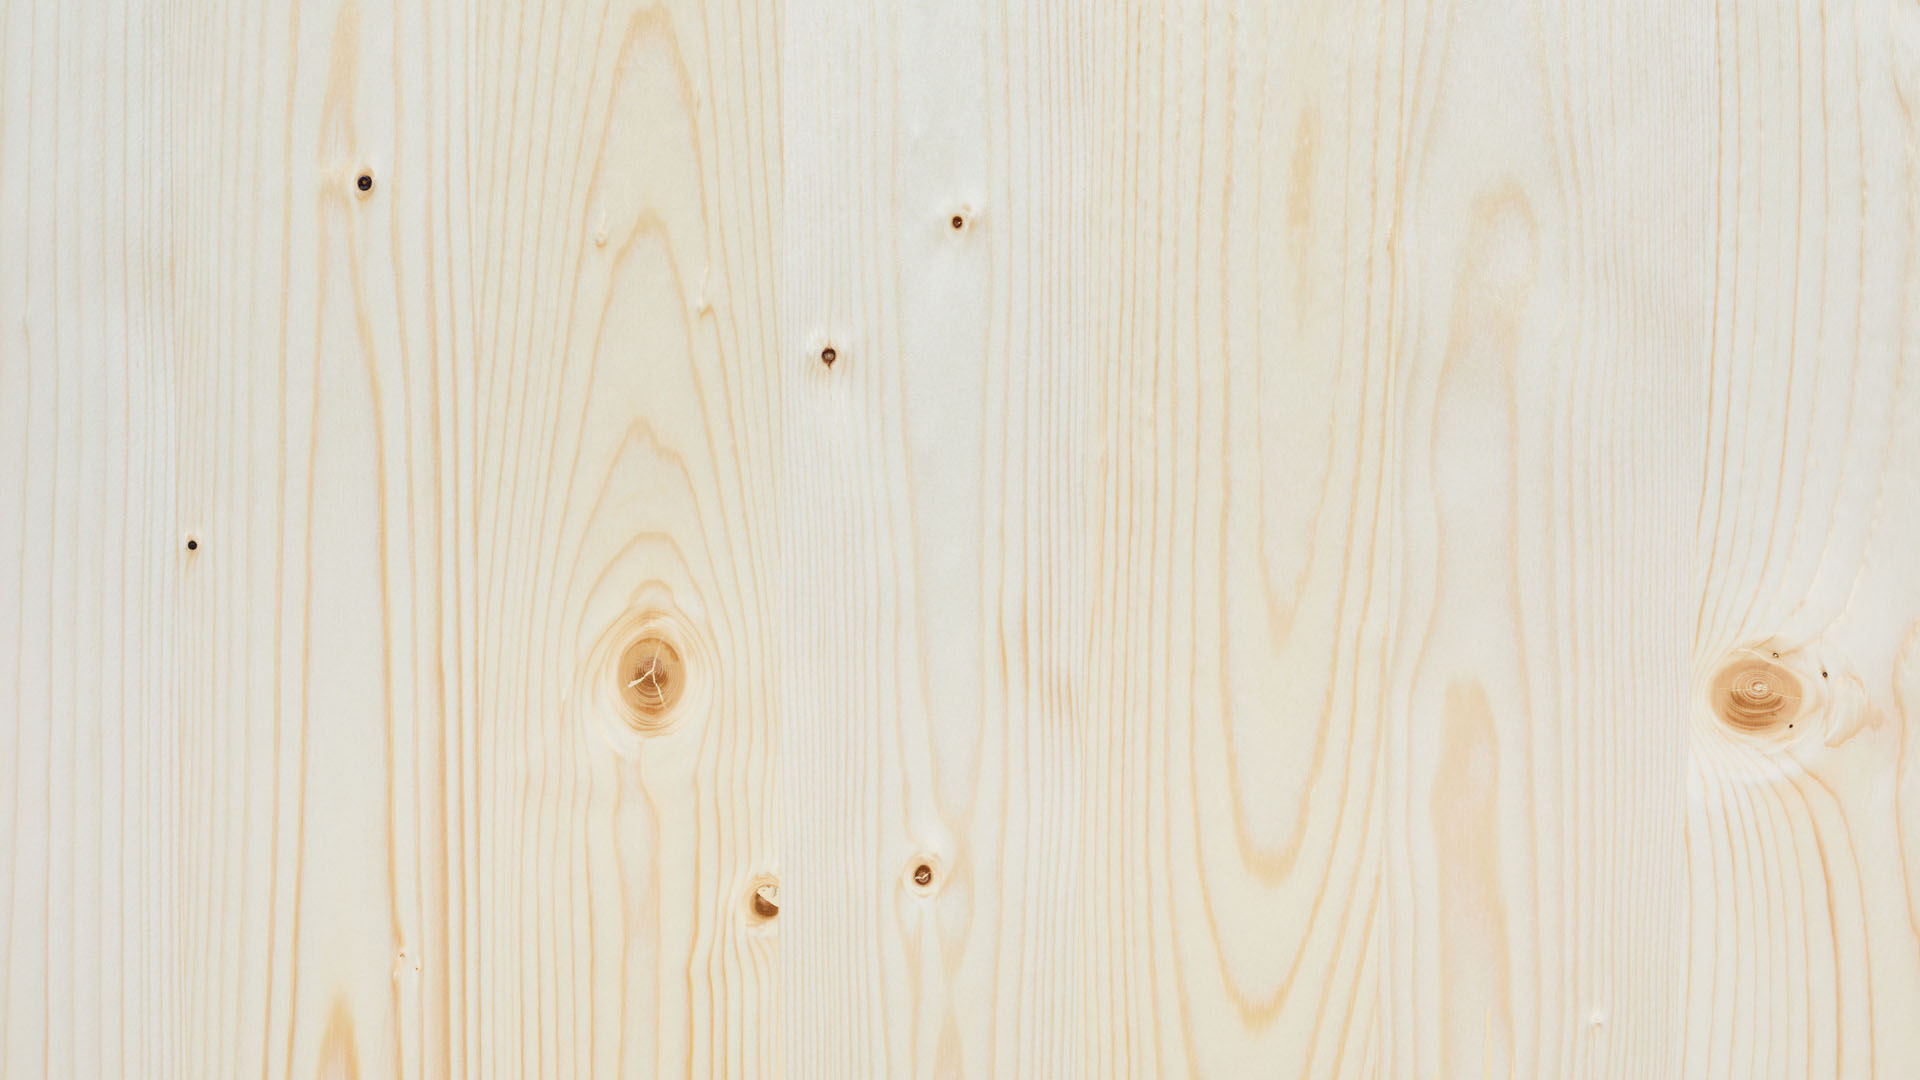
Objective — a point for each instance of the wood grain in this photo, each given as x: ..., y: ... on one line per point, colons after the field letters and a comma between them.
x: 93, y: 837
x: 782, y: 537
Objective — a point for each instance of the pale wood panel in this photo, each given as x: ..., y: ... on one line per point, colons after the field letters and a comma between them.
x: 301, y: 628
x: 1804, y: 951
x: 337, y: 791
x: 91, y: 554
x: 933, y: 509
x: 1242, y: 341
x: 1553, y: 291
x: 624, y: 185
x: 1291, y: 485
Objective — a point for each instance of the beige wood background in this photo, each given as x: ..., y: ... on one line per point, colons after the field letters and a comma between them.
x: 1294, y: 484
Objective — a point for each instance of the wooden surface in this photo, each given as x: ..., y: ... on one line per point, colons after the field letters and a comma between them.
x: 1336, y: 540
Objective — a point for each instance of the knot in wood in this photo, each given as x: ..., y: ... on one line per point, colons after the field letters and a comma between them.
x: 923, y: 875
x: 764, y: 899
x: 651, y: 677
x: 1753, y: 694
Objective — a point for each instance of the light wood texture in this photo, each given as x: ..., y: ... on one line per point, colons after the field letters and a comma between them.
x: 1271, y: 582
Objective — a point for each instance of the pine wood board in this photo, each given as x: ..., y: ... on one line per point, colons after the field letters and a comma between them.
x: 1335, y: 540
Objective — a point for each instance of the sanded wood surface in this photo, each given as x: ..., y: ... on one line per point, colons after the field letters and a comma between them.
x: 837, y: 538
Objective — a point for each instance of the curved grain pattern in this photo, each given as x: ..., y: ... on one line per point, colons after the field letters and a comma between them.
x: 441, y: 332
x: 795, y: 537
x: 1239, y: 578
x: 1551, y: 321
x: 1800, y: 845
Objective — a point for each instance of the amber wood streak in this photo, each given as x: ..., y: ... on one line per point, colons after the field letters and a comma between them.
x: 841, y: 538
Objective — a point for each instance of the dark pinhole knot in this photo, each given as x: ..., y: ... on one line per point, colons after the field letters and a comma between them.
x: 922, y: 876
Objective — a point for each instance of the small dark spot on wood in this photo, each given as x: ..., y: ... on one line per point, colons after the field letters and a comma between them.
x: 923, y: 875
x: 1823, y: 673
x: 365, y: 183
x: 1776, y: 656
x: 959, y: 222
x: 766, y: 899
x: 828, y: 355
x: 192, y: 544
